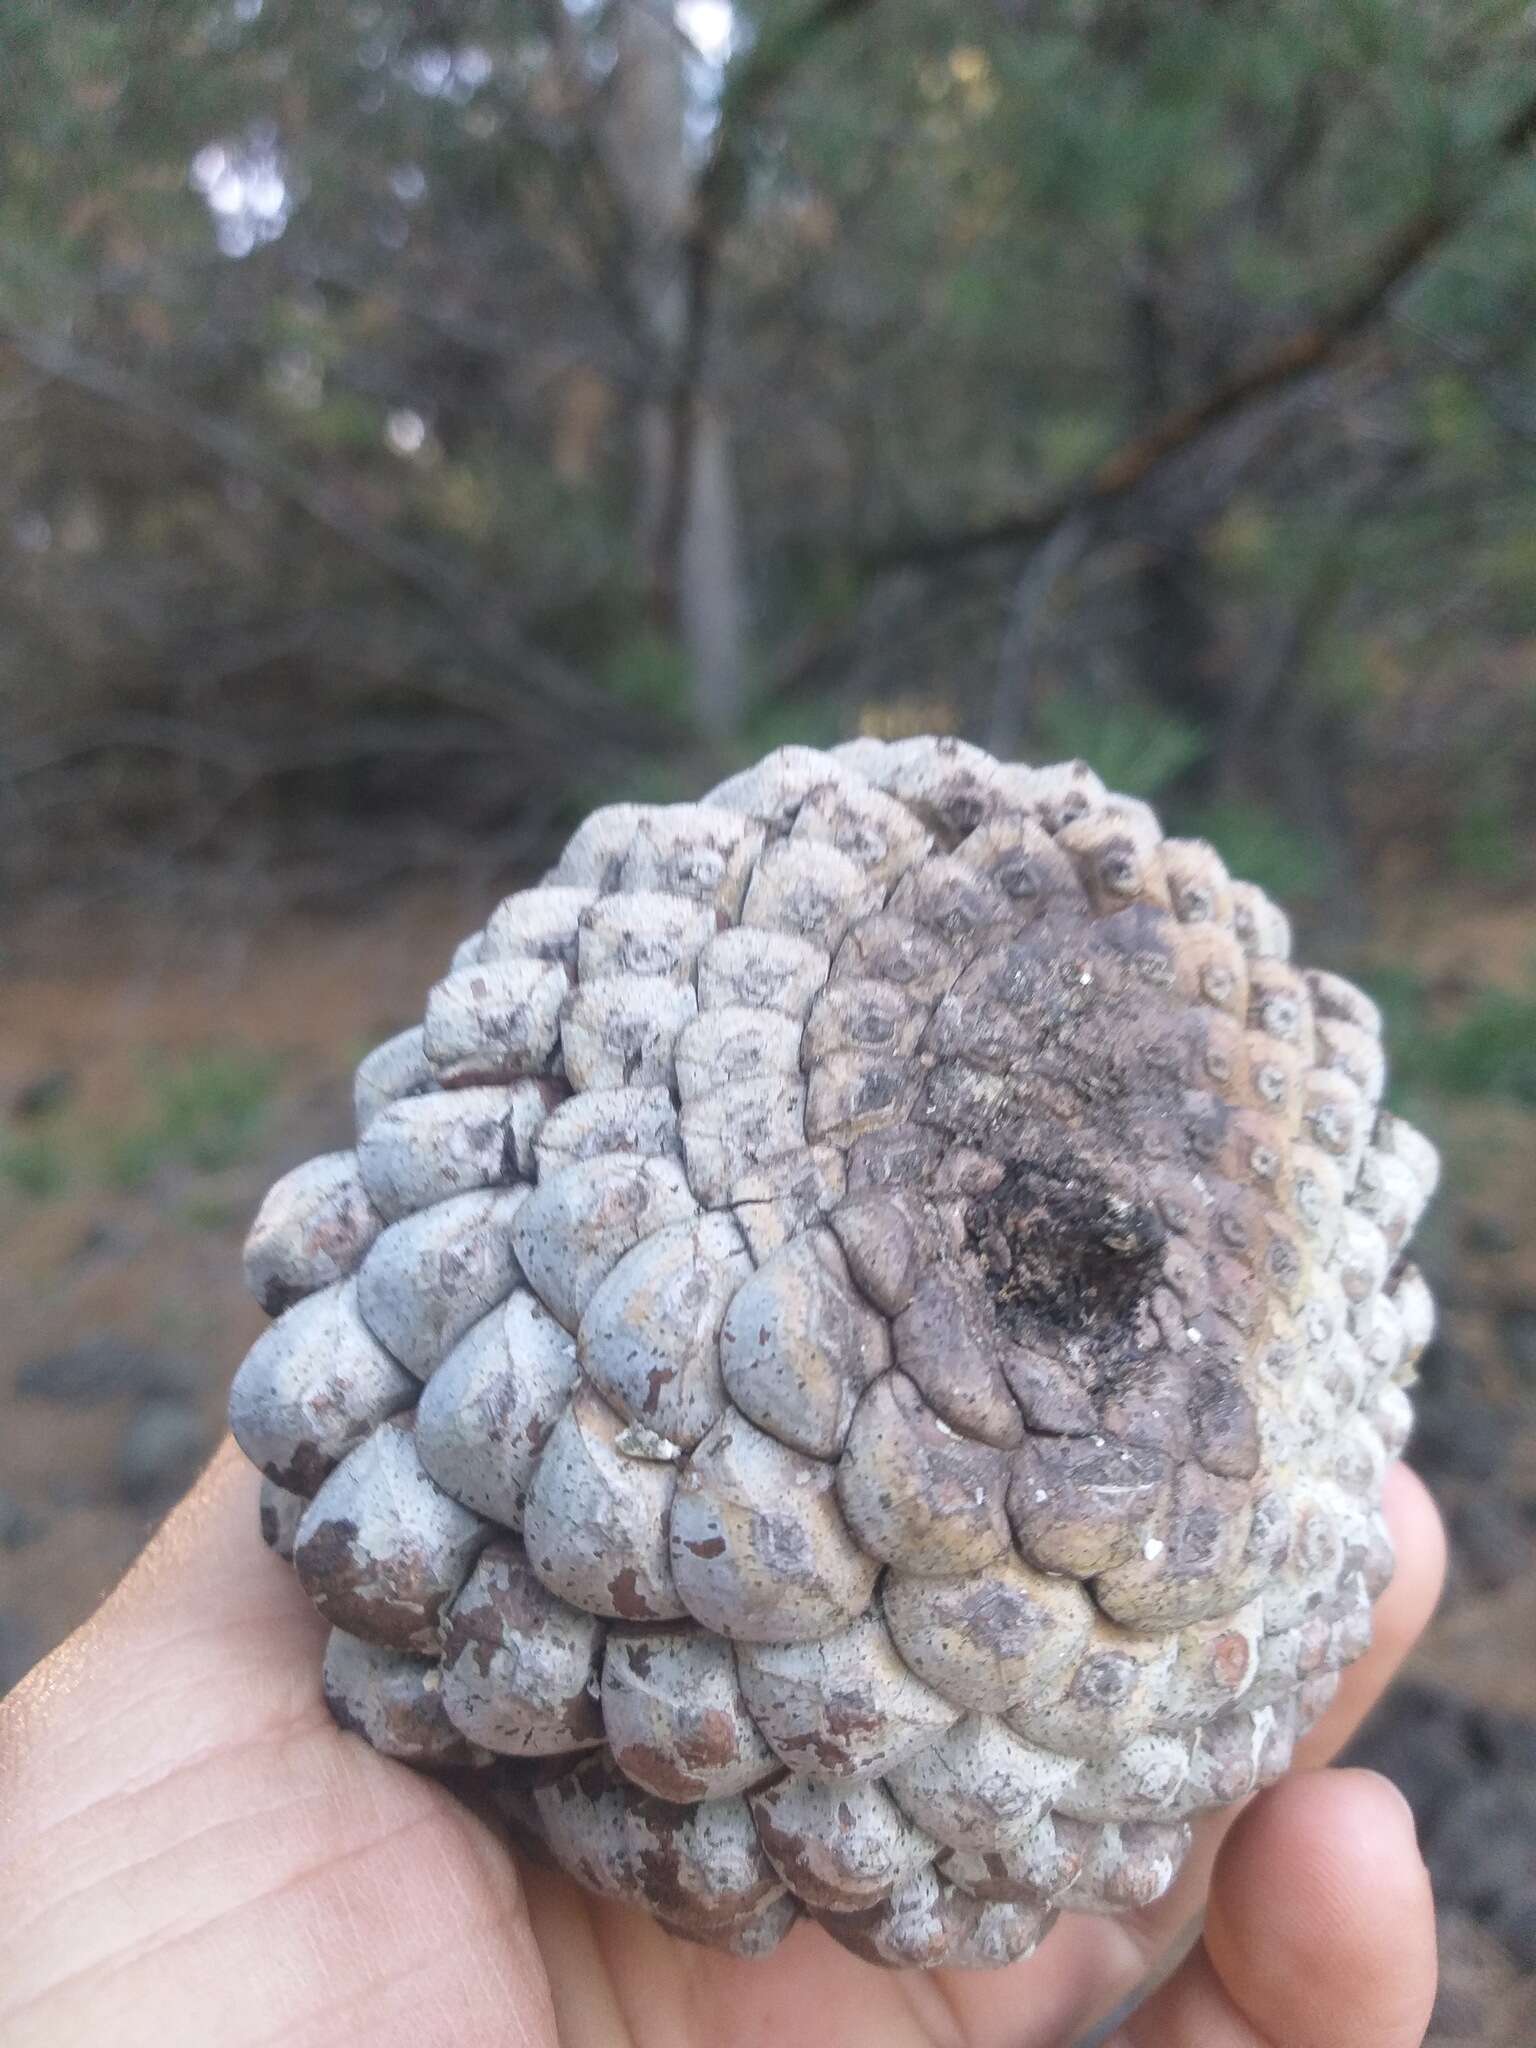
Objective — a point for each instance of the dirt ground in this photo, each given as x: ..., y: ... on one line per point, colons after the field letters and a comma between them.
x: 156, y: 1086
x: 155, y: 1080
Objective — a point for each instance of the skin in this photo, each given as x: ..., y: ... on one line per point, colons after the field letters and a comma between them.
x: 190, y: 1852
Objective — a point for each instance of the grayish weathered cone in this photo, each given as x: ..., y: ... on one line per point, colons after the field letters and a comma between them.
x: 850, y: 1371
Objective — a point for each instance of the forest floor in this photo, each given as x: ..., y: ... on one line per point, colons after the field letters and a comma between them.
x: 156, y: 1076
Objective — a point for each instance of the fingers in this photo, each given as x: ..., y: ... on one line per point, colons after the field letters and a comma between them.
x: 1400, y: 1618
x: 190, y: 1852
x: 1320, y: 1931
x: 206, y: 1609
x: 1088, y: 1963
x: 206, y: 1646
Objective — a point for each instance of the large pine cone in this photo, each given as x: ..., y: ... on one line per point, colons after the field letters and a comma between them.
x: 851, y: 1368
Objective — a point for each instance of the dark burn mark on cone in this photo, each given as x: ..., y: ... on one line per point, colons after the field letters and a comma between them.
x: 1058, y: 1247
x: 1224, y: 1424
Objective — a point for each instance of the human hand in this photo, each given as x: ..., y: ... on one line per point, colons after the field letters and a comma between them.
x: 191, y: 1853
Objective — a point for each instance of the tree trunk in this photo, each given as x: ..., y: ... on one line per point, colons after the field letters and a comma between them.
x: 694, y: 571
x: 711, y: 596
x: 1174, y: 642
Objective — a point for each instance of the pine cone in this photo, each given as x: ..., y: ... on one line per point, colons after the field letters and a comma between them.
x: 851, y: 1368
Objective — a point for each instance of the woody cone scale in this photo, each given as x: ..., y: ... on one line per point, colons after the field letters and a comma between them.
x: 850, y: 1370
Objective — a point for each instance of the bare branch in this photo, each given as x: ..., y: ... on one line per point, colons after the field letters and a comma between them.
x: 251, y: 759
x: 1283, y: 652
x: 1325, y: 343
x: 480, y: 621
x: 1054, y: 558
x: 601, y: 187
x: 492, y: 335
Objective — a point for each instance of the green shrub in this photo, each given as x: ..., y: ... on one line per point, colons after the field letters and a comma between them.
x: 1488, y: 1052
x: 1484, y: 839
x: 1259, y: 846
x: 32, y: 1166
x: 207, y: 1112
x: 1135, y: 748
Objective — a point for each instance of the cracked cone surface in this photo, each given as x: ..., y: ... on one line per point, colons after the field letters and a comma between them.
x: 851, y: 1367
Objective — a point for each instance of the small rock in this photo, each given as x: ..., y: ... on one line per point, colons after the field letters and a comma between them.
x: 18, y: 1525
x: 98, y: 1369
x: 70, y: 1490
x: 1419, y: 1738
x: 1459, y: 2015
x: 1515, y: 1926
x: 1517, y: 1326
x: 1510, y: 1740
x: 1474, y: 1977
x: 1488, y: 1236
x: 43, y: 1096
x: 160, y: 1453
x: 1490, y: 1542
x: 1482, y: 1851
x: 101, y: 1240
x: 1458, y: 1433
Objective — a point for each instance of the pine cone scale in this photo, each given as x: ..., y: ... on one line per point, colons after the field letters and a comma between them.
x: 852, y: 1366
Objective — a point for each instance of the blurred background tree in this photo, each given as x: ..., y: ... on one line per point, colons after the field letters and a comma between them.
x: 423, y: 418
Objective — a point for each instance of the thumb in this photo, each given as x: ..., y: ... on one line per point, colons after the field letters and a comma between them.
x: 1320, y: 1932
x: 205, y: 1643
x: 190, y: 1851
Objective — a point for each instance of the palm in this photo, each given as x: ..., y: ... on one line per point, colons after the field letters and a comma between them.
x: 190, y: 1851
x: 614, y: 1976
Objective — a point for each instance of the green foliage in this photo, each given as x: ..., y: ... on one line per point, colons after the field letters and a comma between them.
x: 1484, y: 841
x: 32, y: 1164
x: 1486, y: 1051
x: 1134, y: 746
x: 646, y: 669
x: 1491, y: 1051
x: 1259, y: 846
x: 790, y: 725
x: 975, y: 248
x: 1068, y: 442
x: 208, y: 1111
x: 213, y: 1213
